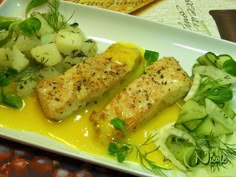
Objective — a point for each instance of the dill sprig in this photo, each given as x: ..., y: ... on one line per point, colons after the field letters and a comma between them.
x: 215, y: 153
x: 54, y: 18
x: 28, y: 73
x: 122, y: 150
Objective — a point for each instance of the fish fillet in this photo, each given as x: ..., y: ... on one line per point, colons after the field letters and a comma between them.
x: 83, y: 83
x: 162, y: 85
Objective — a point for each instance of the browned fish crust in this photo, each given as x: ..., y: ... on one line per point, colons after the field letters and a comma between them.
x: 62, y: 95
x: 162, y: 85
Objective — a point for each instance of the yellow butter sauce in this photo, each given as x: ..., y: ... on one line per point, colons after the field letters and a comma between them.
x: 76, y: 130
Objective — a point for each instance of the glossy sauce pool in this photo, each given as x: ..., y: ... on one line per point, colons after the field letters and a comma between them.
x: 76, y: 130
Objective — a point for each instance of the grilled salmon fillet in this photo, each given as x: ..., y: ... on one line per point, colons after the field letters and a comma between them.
x: 83, y: 83
x: 162, y: 85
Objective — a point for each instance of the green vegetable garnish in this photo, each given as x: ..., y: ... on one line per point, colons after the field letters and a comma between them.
x: 122, y: 150
x: 229, y: 66
x: 11, y: 29
x: 151, y: 56
x: 8, y: 95
x: 223, y: 61
x: 214, y: 152
x: 219, y: 94
x: 207, y: 114
x: 32, y: 25
x: 10, y: 72
x: 119, y: 124
x: 54, y: 18
x: 13, y: 100
x: 29, y: 26
x: 5, y: 22
x: 3, y: 80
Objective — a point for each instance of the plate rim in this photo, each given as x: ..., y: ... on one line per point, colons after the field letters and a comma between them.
x: 105, y: 11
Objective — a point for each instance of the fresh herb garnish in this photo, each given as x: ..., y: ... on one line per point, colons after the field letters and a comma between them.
x: 214, y: 152
x: 12, y: 99
x: 212, y: 89
x: 223, y: 61
x: 119, y: 124
x: 219, y: 94
x: 151, y: 56
x: 8, y: 95
x: 29, y: 26
x: 54, y: 18
x: 11, y: 30
x: 122, y: 150
x: 3, y: 80
x: 207, y: 114
x: 229, y: 66
x: 5, y: 22
x: 29, y: 73
x: 5, y: 75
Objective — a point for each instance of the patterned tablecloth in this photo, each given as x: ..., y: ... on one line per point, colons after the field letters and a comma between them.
x: 17, y: 160
x: 212, y: 18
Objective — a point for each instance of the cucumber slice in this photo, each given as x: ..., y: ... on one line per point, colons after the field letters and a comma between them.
x: 229, y: 110
x: 193, y: 124
x: 208, y: 59
x: 181, y: 127
x: 219, y: 116
x: 222, y: 77
x: 191, y: 110
x: 182, y: 149
x: 212, y: 57
x: 210, y: 127
x: 222, y: 59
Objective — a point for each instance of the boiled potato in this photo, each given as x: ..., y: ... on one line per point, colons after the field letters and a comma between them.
x: 48, y: 38
x: 45, y: 27
x: 47, y: 72
x: 17, y: 58
x: 26, y: 86
x: 10, y: 43
x: 46, y: 54
x: 69, y: 62
x: 70, y: 40
x: 26, y: 43
x: 89, y: 48
x: 4, y: 60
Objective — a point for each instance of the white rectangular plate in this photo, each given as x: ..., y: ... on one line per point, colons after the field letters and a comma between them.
x: 107, y: 27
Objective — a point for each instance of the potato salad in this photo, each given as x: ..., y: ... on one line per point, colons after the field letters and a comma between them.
x: 40, y: 46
